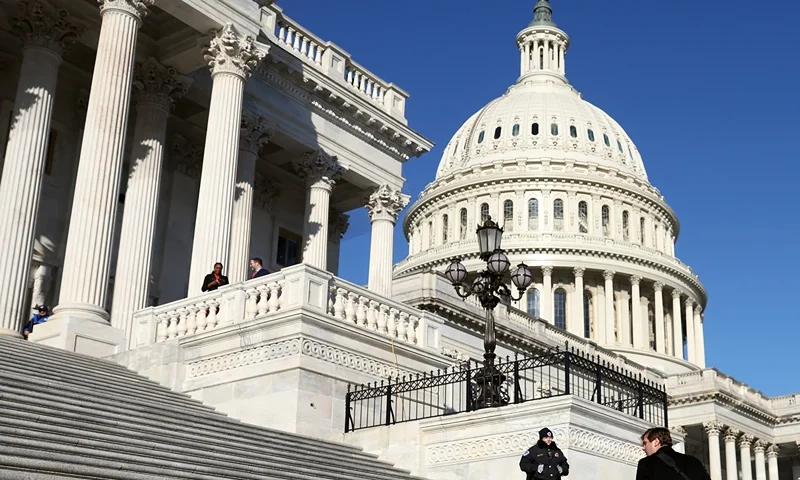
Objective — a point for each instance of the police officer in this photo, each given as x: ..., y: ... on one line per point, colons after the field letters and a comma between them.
x: 544, y: 461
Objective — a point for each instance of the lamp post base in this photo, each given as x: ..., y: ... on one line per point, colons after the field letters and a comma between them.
x: 488, y: 388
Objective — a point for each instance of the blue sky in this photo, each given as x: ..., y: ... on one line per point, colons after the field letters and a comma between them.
x: 707, y: 90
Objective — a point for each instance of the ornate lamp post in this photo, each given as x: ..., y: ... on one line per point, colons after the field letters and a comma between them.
x: 489, y: 287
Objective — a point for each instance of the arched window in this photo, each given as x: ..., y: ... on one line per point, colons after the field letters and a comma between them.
x: 533, y: 303
x: 480, y: 136
x: 625, y: 227
x: 583, y: 217
x: 605, y: 140
x: 606, y: 221
x: 619, y: 145
x: 558, y: 214
x: 554, y: 129
x: 560, y: 308
x: 587, y: 314
x: 590, y: 134
x: 497, y: 132
x: 641, y: 230
x: 484, y: 212
x: 463, y: 231
x: 515, y: 129
x: 629, y: 324
x: 508, y: 216
x: 533, y: 214
x: 445, y: 227
x: 651, y: 322
x: 534, y: 129
x: 573, y: 132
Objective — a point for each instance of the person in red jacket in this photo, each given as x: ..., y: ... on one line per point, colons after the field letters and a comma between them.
x: 215, y: 279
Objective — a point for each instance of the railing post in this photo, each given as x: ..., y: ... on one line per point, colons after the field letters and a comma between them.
x: 599, y: 382
x: 567, y: 366
x: 348, y: 418
x: 517, y: 395
x: 469, y: 387
x: 666, y: 408
x: 389, y: 412
x: 640, y: 397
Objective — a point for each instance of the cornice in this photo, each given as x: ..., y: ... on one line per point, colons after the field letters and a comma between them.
x: 728, y: 402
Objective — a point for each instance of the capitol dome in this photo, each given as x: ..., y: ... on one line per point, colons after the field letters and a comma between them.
x: 570, y: 189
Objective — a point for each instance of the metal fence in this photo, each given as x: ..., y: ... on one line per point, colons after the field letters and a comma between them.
x: 455, y: 390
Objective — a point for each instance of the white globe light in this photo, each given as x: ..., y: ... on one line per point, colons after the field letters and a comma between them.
x: 498, y: 263
x: 521, y: 277
x: 456, y: 272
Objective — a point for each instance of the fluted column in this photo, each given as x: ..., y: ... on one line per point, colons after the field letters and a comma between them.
x: 700, y: 349
x: 255, y: 132
x: 636, y: 313
x: 45, y: 32
x: 691, y: 350
x: 714, y: 461
x: 745, y: 443
x: 796, y: 463
x: 384, y: 205
x: 610, y: 321
x: 677, y: 327
x: 731, y: 469
x: 772, y: 461
x: 321, y: 172
x: 231, y: 58
x: 41, y: 284
x: 546, y: 299
x: 157, y: 87
x: 661, y: 338
x: 575, y: 319
x: 84, y: 282
x: 759, y: 447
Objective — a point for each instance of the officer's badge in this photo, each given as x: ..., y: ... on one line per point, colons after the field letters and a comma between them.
x: 556, y: 454
x: 527, y: 452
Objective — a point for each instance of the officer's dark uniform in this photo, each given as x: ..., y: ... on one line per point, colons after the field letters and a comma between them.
x: 543, y: 461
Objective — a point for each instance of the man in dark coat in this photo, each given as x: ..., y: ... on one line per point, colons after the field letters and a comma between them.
x: 544, y: 461
x: 215, y: 279
x: 664, y: 463
x: 258, y: 269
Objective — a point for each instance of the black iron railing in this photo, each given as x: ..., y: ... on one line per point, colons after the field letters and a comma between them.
x: 456, y: 390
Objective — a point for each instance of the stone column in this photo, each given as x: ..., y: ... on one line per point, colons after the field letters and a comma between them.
x: 677, y: 327
x: 700, y: 349
x: 41, y: 284
x: 610, y: 320
x: 384, y: 205
x: 796, y: 465
x: 546, y: 299
x: 745, y: 442
x: 321, y: 172
x: 730, y: 453
x: 338, y: 223
x: 157, y: 87
x: 255, y: 132
x: 84, y: 283
x: 45, y: 32
x: 575, y: 320
x: 231, y: 58
x: 714, y: 461
x: 772, y: 461
x: 759, y: 447
x: 636, y: 314
x: 661, y: 338
x: 691, y: 345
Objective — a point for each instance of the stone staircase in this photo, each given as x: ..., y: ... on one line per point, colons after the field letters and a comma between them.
x: 64, y: 415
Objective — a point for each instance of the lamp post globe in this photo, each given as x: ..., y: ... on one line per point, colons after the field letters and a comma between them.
x: 490, y: 236
x: 456, y: 272
x: 521, y: 277
x: 498, y: 263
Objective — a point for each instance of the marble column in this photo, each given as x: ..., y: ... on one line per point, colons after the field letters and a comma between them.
x: 338, y: 223
x: 714, y: 460
x: 772, y: 462
x: 677, y: 327
x: 255, y: 132
x: 383, y: 206
x: 759, y: 447
x: 636, y: 314
x: 84, y: 283
x: 700, y: 349
x: 156, y: 89
x: 661, y: 338
x: 745, y: 443
x: 321, y: 172
x: 41, y: 284
x: 610, y: 320
x: 231, y: 58
x: 731, y: 469
x: 546, y: 298
x: 45, y: 33
x: 691, y: 345
x: 575, y: 318
x: 796, y: 464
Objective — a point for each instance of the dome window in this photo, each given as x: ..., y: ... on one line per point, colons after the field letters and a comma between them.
x: 515, y: 129
x: 590, y: 133
x: 497, y: 132
x: 587, y: 314
x: 481, y: 136
x: 554, y: 129
x: 573, y: 132
x: 533, y: 214
x: 445, y: 228
x: 619, y: 145
x: 535, y: 129
x: 463, y: 231
x: 583, y: 217
x: 625, y: 226
x: 606, y: 141
x: 533, y: 302
x: 560, y: 308
x: 558, y: 214
x: 484, y: 212
x: 508, y: 215
x: 606, y: 221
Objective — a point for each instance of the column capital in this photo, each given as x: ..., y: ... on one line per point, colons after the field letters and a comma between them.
x: 386, y: 203
x: 760, y: 445
x: 635, y: 279
x: 689, y: 302
x: 731, y: 434
x: 135, y: 8
x: 609, y: 274
x: 746, y: 441
x: 578, y: 271
x: 713, y: 427
x: 229, y: 52
x: 41, y: 24
x: 698, y: 309
x: 547, y: 270
x: 264, y: 192
x: 318, y: 167
x: 187, y: 156
x: 158, y: 84
x: 676, y: 294
x: 338, y: 223
x: 255, y: 132
x: 658, y: 286
x: 772, y: 451
x: 680, y: 430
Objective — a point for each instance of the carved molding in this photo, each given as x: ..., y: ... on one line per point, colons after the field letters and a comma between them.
x: 713, y: 428
x: 609, y: 274
x: 318, y: 168
x: 731, y: 434
x: 159, y: 84
x: 137, y: 8
x: 229, y: 52
x: 578, y: 272
x: 41, y: 24
x: 746, y: 441
x: 547, y: 270
x: 772, y: 451
x: 265, y: 191
x: 386, y: 203
x: 338, y: 223
x: 186, y: 156
x: 760, y: 445
x: 255, y: 132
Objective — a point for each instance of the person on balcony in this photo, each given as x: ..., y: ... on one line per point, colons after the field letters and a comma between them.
x: 664, y: 463
x: 40, y: 317
x: 544, y: 461
x: 215, y: 279
x: 258, y: 269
